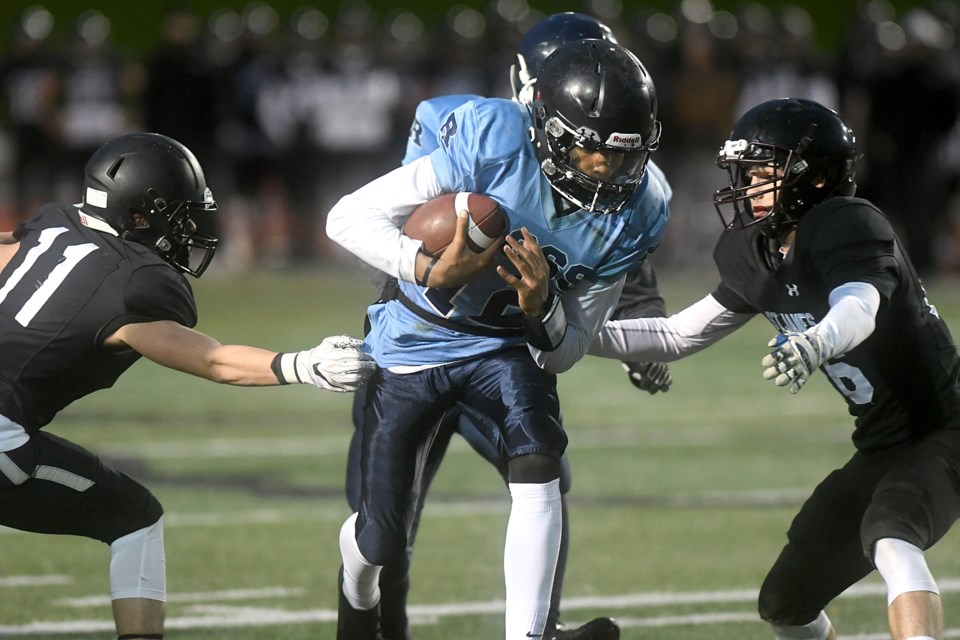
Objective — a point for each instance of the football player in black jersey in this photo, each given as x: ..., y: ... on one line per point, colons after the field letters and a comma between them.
x: 87, y: 289
x: 828, y: 272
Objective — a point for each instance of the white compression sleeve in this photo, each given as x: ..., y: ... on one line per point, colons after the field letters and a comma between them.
x: 819, y: 629
x: 851, y: 319
x: 530, y: 556
x: 368, y: 221
x: 902, y: 567
x: 138, y: 565
x: 667, y: 339
x: 361, y: 579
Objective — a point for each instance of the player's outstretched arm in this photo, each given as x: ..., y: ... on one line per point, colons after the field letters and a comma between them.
x: 336, y: 364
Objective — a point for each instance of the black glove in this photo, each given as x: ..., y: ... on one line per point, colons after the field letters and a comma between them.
x: 649, y: 376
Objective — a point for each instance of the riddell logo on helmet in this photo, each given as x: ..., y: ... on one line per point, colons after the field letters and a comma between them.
x: 625, y: 140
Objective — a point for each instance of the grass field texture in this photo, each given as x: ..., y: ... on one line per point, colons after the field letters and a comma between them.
x: 679, y: 501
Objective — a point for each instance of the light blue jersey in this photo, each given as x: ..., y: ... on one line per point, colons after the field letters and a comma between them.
x: 482, y: 146
x: 430, y: 116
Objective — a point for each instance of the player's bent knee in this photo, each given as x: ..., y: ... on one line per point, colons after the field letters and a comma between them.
x: 534, y: 468
x: 777, y: 607
x: 142, y: 510
x: 380, y: 545
x: 138, y: 565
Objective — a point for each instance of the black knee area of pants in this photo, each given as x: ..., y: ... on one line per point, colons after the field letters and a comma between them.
x: 381, y: 546
x: 534, y: 469
x: 884, y: 520
x: 141, y: 513
x: 779, y: 603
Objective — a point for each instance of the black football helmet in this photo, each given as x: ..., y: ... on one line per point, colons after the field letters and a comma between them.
x: 159, y: 178
x: 594, y: 96
x: 543, y: 38
x: 810, y: 148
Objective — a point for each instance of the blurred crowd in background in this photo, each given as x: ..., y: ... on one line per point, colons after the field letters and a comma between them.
x: 289, y: 111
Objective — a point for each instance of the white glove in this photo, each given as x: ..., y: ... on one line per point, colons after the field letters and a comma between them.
x: 336, y: 364
x: 794, y: 358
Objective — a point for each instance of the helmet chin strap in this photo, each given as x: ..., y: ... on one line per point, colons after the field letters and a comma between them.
x: 786, y: 239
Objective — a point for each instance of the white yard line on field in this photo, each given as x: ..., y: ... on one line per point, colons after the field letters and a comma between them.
x: 652, y: 436
x: 319, y: 513
x: 33, y: 581
x: 328, y: 512
x: 228, y: 448
x: 203, y: 616
x: 229, y: 594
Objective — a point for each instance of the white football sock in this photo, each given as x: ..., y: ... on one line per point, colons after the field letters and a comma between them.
x: 530, y: 556
x: 361, y: 579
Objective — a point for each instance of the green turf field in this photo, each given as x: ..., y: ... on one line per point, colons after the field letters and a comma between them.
x: 680, y: 501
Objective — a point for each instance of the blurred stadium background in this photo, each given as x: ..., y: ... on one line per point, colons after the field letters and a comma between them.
x: 680, y: 501
x: 290, y: 104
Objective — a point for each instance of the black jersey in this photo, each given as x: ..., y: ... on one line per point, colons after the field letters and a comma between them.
x: 67, y: 289
x: 899, y: 383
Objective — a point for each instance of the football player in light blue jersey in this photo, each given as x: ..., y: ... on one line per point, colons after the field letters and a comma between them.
x: 640, y: 297
x: 570, y: 173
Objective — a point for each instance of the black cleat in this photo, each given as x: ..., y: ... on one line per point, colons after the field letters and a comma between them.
x: 596, y: 629
x: 356, y: 624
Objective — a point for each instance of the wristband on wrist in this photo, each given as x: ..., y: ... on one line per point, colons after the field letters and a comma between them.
x: 425, y: 278
x: 546, y: 332
x: 284, y: 366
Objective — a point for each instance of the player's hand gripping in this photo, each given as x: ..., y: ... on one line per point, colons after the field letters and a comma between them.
x: 649, y: 376
x: 533, y: 284
x: 458, y: 264
x: 793, y: 360
x: 336, y: 364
